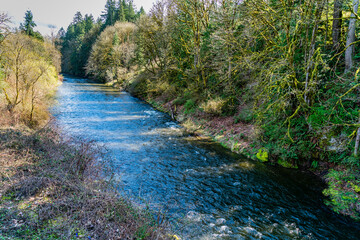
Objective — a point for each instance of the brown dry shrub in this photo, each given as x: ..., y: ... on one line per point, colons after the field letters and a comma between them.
x: 60, y: 181
x: 213, y: 106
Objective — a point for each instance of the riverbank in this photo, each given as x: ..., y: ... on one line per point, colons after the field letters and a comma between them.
x: 238, y: 132
x: 54, y: 188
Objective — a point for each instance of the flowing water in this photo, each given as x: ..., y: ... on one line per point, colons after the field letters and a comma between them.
x: 204, y: 190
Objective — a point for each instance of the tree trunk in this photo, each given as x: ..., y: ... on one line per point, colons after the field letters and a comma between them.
x: 357, y: 141
x: 351, y: 37
x: 337, y: 22
x: 310, y: 61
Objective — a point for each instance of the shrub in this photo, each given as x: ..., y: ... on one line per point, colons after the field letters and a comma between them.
x: 190, y: 106
x: 213, y: 106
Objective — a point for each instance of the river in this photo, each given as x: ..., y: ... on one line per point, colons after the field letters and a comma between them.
x: 204, y: 190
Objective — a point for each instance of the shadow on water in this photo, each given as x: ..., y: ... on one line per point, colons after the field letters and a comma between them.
x: 206, y: 191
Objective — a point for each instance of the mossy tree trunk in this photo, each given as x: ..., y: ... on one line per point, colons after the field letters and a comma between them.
x: 337, y: 23
x: 351, y: 37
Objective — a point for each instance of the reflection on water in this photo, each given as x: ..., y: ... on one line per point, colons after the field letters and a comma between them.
x: 206, y: 191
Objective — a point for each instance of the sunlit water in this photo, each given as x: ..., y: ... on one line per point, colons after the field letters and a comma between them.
x: 205, y: 191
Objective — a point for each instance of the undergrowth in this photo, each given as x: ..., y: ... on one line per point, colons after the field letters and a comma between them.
x: 344, y: 192
x: 52, y: 188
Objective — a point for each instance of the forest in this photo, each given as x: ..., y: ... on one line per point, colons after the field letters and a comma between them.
x: 286, y: 71
x: 287, y: 68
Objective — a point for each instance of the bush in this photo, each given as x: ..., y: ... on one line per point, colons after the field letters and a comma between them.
x: 230, y: 106
x: 344, y: 192
x: 30, y: 77
x: 213, y: 106
x: 190, y: 106
x: 53, y: 188
x: 246, y: 115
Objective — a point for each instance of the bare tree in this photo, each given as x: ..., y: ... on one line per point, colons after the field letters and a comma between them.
x: 4, y: 28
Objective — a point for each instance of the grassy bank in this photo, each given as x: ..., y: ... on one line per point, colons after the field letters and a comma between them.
x: 52, y: 188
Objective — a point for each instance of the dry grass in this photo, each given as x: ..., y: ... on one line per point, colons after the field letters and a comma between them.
x: 52, y: 188
x: 213, y: 106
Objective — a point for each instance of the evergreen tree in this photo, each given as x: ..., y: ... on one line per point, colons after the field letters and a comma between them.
x: 77, y: 18
x: 120, y: 12
x: 125, y: 9
x: 110, y: 13
x: 141, y: 12
x: 61, y: 33
x: 89, y: 22
x: 131, y: 16
x: 28, y: 26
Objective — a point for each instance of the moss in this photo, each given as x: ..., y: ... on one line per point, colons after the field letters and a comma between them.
x: 286, y: 164
x: 263, y: 155
x: 343, y: 192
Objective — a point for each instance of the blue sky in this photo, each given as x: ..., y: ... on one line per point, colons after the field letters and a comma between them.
x: 56, y: 12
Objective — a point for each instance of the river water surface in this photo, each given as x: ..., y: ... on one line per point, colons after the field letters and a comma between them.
x: 205, y: 191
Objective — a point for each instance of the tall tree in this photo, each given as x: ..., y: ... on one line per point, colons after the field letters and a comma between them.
x: 120, y: 12
x: 77, y: 18
x: 28, y: 26
x: 337, y: 23
x: 131, y: 17
x: 109, y: 13
x: 349, y: 52
x: 141, y: 12
x: 27, y: 63
x: 4, y: 28
x: 193, y: 22
x: 89, y: 22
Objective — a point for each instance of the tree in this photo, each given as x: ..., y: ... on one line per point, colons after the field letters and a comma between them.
x: 4, y: 28
x: 131, y: 16
x: 120, y: 12
x: 337, y: 23
x: 357, y: 140
x: 349, y: 52
x: 89, y: 22
x: 77, y: 18
x: 141, y: 12
x: 154, y: 38
x: 61, y: 33
x: 29, y: 73
x: 193, y: 22
x: 224, y: 39
x: 112, y: 53
x: 28, y: 26
x: 109, y: 13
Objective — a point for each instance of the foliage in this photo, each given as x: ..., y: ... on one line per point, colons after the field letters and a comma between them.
x: 29, y: 69
x: 213, y: 106
x: 112, y: 53
x: 343, y: 192
x: 276, y: 64
x: 76, y: 43
x: 28, y: 26
x: 52, y: 188
x: 263, y: 155
x: 4, y: 28
x: 190, y: 106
